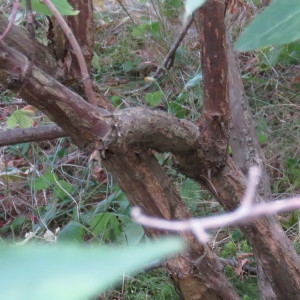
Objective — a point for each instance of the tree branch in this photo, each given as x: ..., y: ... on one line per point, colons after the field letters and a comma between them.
x: 34, y: 134
x: 65, y: 108
x: 86, y: 80
x: 15, y: 7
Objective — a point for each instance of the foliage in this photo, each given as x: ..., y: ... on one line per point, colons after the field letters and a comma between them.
x: 191, y: 6
x: 152, y: 285
x: 71, y: 272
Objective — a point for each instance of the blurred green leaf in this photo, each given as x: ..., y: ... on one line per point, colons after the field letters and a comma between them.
x: 152, y: 28
x: 195, y: 81
x: 133, y: 233
x: 277, y: 24
x: 62, y: 189
x: 106, y: 225
x: 19, y: 221
x: 62, y: 6
x: 72, y: 232
x: 191, y: 6
x: 190, y: 190
x: 115, y: 100
x: 66, y: 272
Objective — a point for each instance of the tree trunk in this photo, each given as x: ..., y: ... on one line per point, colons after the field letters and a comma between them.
x: 197, y: 272
x: 247, y: 152
x: 267, y: 232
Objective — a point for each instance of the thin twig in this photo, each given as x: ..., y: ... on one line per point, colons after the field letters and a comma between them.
x: 16, y: 5
x: 87, y: 82
x: 167, y: 62
x: 245, y: 214
x: 126, y: 11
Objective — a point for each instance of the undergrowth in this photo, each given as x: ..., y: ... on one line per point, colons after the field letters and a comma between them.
x: 49, y: 190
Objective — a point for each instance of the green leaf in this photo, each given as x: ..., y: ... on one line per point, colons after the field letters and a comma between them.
x: 139, y: 30
x: 66, y: 272
x: 133, y: 233
x: 19, y: 221
x: 44, y: 181
x: 129, y: 65
x: 190, y: 190
x: 262, y: 138
x: 107, y: 225
x: 277, y: 24
x: 261, y: 131
x: 62, y: 189
x: 72, y: 232
x: 115, y: 100
x: 288, y: 54
x: 62, y: 6
x: 177, y: 108
x: 19, y: 118
x: 154, y: 99
x: 191, y: 5
x: 237, y: 235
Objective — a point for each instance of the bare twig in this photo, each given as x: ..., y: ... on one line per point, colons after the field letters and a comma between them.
x: 245, y: 214
x: 14, y: 101
x: 16, y: 5
x: 168, y: 60
x: 87, y: 82
x: 234, y: 263
x: 30, y: 20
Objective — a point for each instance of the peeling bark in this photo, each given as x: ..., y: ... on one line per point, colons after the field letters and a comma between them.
x: 214, y: 119
x: 222, y: 80
x: 197, y: 272
x: 83, y: 29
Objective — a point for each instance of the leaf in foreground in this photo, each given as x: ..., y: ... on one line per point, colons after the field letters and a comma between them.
x: 277, y: 24
x: 190, y: 6
x: 68, y: 272
x: 62, y: 6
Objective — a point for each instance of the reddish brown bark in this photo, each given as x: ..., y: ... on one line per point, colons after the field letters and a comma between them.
x: 214, y: 119
x: 228, y: 185
x: 83, y: 29
x: 197, y: 272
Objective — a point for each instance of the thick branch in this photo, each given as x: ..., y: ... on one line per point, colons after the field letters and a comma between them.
x: 82, y: 121
x: 155, y: 129
x: 87, y: 82
x: 215, y: 114
x: 19, y: 40
x: 136, y: 127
